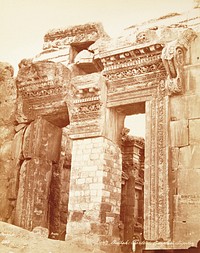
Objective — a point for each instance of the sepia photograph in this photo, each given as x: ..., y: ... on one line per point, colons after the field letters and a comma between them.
x: 100, y: 126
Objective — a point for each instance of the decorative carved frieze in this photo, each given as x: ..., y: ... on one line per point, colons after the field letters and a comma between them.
x: 137, y: 56
x: 150, y: 59
x: 132, y: 70
x: 87, y: 111
x: 87, y: 103
x: 43, y: 87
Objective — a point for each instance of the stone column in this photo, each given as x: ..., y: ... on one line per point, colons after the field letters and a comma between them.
x: 95, y: 183
x: 40, y: 149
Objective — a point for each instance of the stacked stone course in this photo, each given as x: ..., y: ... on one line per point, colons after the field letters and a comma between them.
x: 95, y: 190
x: 184, y: 125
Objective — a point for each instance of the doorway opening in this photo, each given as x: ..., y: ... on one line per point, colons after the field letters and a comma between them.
x: 132, y: 194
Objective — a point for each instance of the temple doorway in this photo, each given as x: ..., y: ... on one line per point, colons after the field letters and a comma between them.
x: 132, y: 195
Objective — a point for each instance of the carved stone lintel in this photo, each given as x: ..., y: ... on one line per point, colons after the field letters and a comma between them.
x: 42, y: 88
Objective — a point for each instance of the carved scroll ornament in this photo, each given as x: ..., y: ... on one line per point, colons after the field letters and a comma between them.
x: 173, y: 60
x: 173, y: 56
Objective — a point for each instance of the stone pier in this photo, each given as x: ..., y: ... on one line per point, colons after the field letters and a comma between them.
x: 95, y: 192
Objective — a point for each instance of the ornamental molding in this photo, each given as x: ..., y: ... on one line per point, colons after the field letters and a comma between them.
x: 43, y: 90
x: 42, y: 80
x: 87, y: 105
x: 133, y: 59
x: 87, y: 111
x: 149, y: 54
x: 85, y: 88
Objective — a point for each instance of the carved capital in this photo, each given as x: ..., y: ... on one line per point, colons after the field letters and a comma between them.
x: 173, y: 57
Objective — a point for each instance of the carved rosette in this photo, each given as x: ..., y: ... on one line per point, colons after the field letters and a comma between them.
x: 42, y: 87
x: 173, y: 56
x: 87, y: 105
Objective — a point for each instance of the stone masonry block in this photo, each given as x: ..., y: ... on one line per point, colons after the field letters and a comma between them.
x: 35, y: 178
x: 193, y: 105
x: 178, y: 109
x: 106, y: 193
x: 179, y: 133
x: 192, y: 79
x: 80, y: 181
x: 97, y: 186
x: 174, y: 157
x: 42, y: 139
x: 97, y: 140
x: 17, y: 145
x: 94, y: 156
x: 182, y: 235
x: 190, y: 157
x: 87, y: 141
x: 184, y: 179
x: 194, y: 133
x: 85, y: 157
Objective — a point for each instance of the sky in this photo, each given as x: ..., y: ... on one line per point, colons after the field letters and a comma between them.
x: 25, y: 22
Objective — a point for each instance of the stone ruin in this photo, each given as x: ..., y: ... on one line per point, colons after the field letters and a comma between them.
x: 67, y: 162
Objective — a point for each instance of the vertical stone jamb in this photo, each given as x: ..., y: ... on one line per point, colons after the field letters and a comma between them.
x: 156, y: 187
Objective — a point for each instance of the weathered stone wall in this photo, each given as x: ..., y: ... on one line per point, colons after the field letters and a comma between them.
x: 8, y: 96
x: 95, y: 192
x: 185, y: 153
